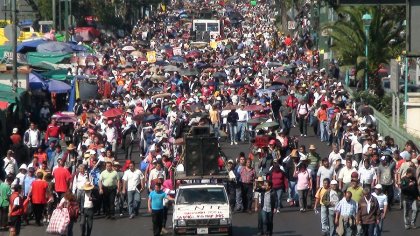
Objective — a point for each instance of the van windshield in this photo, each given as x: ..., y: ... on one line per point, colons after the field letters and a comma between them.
x: 201, y: 196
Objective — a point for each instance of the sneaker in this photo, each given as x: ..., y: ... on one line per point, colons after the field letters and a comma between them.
x: 164, y: 231
x: 121, y: 214
x: 305, y: 135
x: 413, y: 226
x: 236, y: 143
x: 277, y: 211
x: 44, y: 220
x: 231, y: 143
x: 301, y: 135
x: 302, y: 210
x: 131, y: 216
x: 407, y: 227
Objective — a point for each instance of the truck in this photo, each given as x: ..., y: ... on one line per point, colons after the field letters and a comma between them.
x: 201, y: 205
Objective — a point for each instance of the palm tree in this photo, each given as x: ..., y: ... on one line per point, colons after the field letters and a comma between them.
x: 384, y: 41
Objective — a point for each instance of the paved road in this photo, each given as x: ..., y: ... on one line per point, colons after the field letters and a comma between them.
x: 289, y: 222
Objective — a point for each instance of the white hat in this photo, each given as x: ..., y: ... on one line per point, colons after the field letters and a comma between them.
x: 406, y: 155
x: 349, y: 124
x: 158, y: 157
x: 23, y: 167
x: 380, y: 138
x: 378, y: 186
x: 334, y: 181
x: 15, y: 130
x: 92, y: 152
x: 342, y: 151
x: 103, y: 150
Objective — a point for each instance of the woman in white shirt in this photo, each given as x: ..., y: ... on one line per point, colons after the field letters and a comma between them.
x: 303, y: 114
x: 88, y: 211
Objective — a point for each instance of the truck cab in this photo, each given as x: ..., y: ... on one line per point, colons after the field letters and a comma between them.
x: 202, y: 209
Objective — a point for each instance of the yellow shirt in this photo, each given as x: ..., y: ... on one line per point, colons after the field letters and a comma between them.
x: 320, y: 194
x: 214, y: 116
x: 357, y: 193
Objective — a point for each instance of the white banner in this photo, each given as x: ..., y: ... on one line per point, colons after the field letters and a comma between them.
x: 21, y: 58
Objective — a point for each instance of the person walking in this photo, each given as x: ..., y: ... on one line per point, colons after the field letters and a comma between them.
x: 32, y: 139
x: 155, y: 207
x: 15, y: 210
x: 302, y: 117
x: 133, y: 185
x: 109, y: 186
x: 268, y: 204
x: 330, y: 199
x: 280, y: 184
x: 345, y: 217
x: 383, y: 207
x: 5, y: 192
x: 368, y: 213
x: 303, y: 185
x: 86, y: 223
x: 38, y: 196
x: 62, y: 179
x: 319, y: 195
x: 410, y: 194
x: 232, y: 119
x: 248, y: 177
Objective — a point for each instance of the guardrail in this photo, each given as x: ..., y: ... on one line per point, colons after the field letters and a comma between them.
x: 385, y: 128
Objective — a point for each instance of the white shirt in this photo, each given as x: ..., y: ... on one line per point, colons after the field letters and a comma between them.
x: 132, y: 178
x: 10, y: 165
x: 87, y: 203
x: 345, y: 174
x: 382, y: 200
x: 33, y: 138
x: 333, y: 157
x: 154, y: 173
x: 357, y: 147
x: 243, y: 115
x: 79, y: 181
x: 367, y: 175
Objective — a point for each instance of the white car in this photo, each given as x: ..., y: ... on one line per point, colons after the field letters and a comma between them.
x: 202, y: 209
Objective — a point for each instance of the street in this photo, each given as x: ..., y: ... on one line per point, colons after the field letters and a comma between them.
x: 289, y: 222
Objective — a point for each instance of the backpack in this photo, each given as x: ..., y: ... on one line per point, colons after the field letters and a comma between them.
x: 326, y: 198
x: 74, y: 210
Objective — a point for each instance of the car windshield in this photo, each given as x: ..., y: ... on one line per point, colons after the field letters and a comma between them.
x: 201, y: 196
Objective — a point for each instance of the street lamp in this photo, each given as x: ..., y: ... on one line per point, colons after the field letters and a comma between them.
x: 367, y: 19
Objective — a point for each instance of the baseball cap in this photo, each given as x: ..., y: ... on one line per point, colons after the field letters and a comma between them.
x: 272, y: 142
x: 354, y: 175
x: 334, y: 181
x: 378, y: 186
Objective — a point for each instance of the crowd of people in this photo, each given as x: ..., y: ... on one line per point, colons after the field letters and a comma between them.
x: 253, y: 86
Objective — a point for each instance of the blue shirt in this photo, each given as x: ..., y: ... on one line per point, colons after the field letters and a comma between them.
x: 27, y: 182
x: 157, y: 199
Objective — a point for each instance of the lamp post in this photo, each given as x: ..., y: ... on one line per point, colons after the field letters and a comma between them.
x: 367, y: 19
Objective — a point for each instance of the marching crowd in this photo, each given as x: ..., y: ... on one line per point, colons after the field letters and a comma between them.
x: 254, y: 83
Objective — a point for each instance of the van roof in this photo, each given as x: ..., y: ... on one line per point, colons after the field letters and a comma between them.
x: 189, y: 186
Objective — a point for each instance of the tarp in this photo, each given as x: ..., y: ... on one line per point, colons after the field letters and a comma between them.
x: 55, y: 86
x: 35, y: 58
x: 7, y: 95
x: 60, y: 74
x: 54, y: 47
x: 36, y: 81
x: 29, y: 46
x: 4, y: 48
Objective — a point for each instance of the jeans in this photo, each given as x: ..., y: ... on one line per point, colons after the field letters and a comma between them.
x: 38, y: 209
x: 303, y: 125
x: 241, y: 130
x: 331, y: 219
x: 70, y: 228
x: 216, y: 130
x: 294, y: 120
x: 285, y: 125
x: 267, y: 222
x: 368, y: 229
x: 157, y: 219
x: 134, y: 201
x: 325, y: 219
x: 323, y: 131
x: 239, y: 205
x: 303, y: 197
x: 292, y: 191
x: 87, y: 221
x: 279, y: 194
x: 379, y: 227
x: 410, y: 205
x: 232, y: 132
x: 389, y: 191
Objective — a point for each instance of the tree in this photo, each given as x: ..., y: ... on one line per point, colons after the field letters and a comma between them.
x: 384, y: 40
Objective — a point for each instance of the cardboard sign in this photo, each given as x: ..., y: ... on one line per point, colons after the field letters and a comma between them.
x: 151, y: 56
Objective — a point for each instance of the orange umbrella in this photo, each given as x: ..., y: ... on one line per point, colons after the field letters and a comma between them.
x: 114, y: 112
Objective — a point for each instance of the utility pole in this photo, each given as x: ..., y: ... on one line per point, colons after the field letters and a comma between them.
x: 66, y: 19
x: 14, y: 43
x: 53, y: 13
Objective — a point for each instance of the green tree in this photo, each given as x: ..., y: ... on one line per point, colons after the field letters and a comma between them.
x: 45, y: 9
x: 384, y: 38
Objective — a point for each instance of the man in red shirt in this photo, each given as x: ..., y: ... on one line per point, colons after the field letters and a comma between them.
x: 38, y: 196
x: 53, y: 131
x: 62, y: 179
x: 292, y: 102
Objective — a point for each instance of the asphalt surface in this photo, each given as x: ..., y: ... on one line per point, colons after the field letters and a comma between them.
x: 289, y: 222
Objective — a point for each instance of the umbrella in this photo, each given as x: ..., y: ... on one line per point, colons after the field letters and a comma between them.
x: 231, y: 59
x: 161, y: 63
x: 155, y: 89
x: 151, y: 118
x: 257, y: 120
x: 54, y: 47
x: 66, y: 117
x: 220, y: 74
x: 161, y: 95
x: 273, y: 64
x: 55, y: 86
x: 128, y: 48
x: 253, y: 108
x: 158, y: 78
x: 177, y: 59
x: 189, y: 72
x: 237, y: 84
x: 35, y: 81
x: 171, y: 68
x: 267, y: 125
x: 276, y: 87
x: 230, y: 107
x: 128, y: 70
x: 114, y: 112
x: 193, y: 54
x: 136, y: 54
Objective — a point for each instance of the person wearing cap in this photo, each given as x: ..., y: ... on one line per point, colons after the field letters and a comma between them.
x: 109, y: 186
x: 10, y: 164
x: 86, y: 223
x: 32, y: 139
x: 133, y: 185
x: 410, y: 195
x: 16, y: 138
x: 402, y: 170
x: 231, y: 183
x: 292, y: 102
x: 23, y: 169
x: 70, y: 157
x: 386, y: 175
x: 330, y: 200
x: 383, y: 207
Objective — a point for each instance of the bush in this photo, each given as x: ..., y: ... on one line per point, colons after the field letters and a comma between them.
x: 382, y: 104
